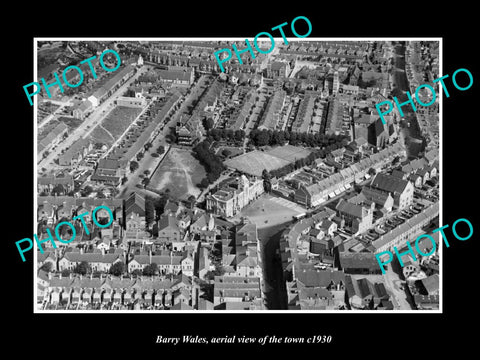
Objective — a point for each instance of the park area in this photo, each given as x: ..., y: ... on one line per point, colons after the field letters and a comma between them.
x: 180, y: 173
x: 114, y: 124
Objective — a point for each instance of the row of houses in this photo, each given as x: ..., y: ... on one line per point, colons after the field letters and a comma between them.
x: 52, y: 138
x: 312, y: 195
x: 86, y: 290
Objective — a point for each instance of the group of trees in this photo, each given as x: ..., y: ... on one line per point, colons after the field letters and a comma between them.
x: 213, y: 164
x: 225, y: 134
x: 279, y: 137
x: 298, y: 164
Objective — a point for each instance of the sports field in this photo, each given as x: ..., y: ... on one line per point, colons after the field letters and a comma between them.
x: 179, y: 172
x: 254, y: 162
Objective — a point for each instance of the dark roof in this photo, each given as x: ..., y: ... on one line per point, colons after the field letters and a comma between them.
x: 135, y: 203
x: 320, y: 278
x: 389, y: 183
x: 349, y: 208
x: 358, y: 261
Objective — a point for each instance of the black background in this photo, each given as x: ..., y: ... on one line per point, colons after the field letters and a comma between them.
x: 364, y: 335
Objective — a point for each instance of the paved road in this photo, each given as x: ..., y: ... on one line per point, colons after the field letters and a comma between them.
x: 275, y: 294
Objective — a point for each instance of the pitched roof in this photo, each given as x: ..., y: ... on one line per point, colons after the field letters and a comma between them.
x: 360, y: 260
x: 135, y: 203
x: 389, y: 183
x: 431, y: 283
x: 320, y: 278
x: 167, y: 221
x: 91, y: 257
x: 349, y: 208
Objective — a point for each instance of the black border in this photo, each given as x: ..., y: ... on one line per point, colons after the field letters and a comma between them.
x: 359, y: 333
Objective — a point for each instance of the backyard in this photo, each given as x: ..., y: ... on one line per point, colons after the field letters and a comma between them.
x: 114, y: 124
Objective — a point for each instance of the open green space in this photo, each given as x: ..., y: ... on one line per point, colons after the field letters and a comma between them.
x: 179, y: 172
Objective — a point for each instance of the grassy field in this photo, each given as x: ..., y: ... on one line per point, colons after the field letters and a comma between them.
x: 114, y: 124
x: 179, y: 172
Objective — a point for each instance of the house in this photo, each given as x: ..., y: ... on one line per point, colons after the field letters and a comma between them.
x: 382, y: 199
x: 430, y: 285
x: 316, y: 290
x: 62, y: 185
x: 167, y: 264
x: 168, y: 229
x: 357, y: 218
x: 401, y: 190
x: 109, y: 172
x: 236, y: 289
x: 188, y: 265
x: 202, y: 223
x: 135, y: 203
x: 135, y: 227
x: 75, y: 153
x: 203, y: 266
x: 171, y: 207
x: 234, y: 195
x: 359, y: 263
x: 47, y: 257
x: 81, y: 111
x: 97, y: 261
x: 363, y: 294
x: 53, y: 137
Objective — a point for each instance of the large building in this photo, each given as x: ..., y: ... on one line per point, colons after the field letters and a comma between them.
x: 234, y: 195
x: 357, y: 218
x: 401, y: 190
x: 112, y: 84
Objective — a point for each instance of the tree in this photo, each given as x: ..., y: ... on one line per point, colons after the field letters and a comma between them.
x: 137, y: 272
x: 149, y: 210
x: 83, y: 268
x: 124, y: 180
x: 133, y: 166
x: 147, y: 172
x: 145, y: 182
x: 117, y: 269
x: 160, y: 150
x: 150, y: 269
x: 100, y: 195
x: 209, y: 124
x: 204, y: 183
x: 147, y: 146
x: 66, y: 272
x: 87, y: 191
x: 226, y: 152
x: 58, y: 189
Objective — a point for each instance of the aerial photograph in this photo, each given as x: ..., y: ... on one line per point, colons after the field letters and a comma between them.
x: 174, y: 176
